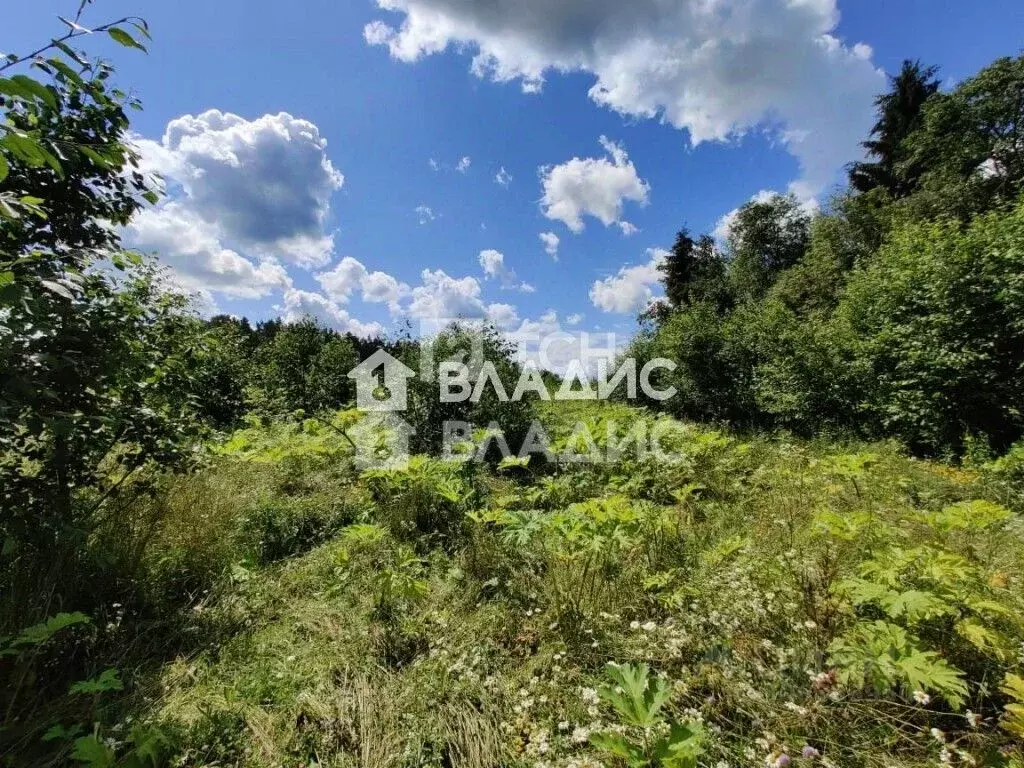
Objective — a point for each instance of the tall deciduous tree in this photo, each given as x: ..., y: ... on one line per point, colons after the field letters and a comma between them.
x: 766, y: 237
x: 971, y: 141
x: 91, y: 373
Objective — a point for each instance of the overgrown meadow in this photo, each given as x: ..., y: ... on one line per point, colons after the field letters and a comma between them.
x: 750, y: 601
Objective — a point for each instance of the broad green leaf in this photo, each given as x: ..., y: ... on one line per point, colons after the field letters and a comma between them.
x: 40, y: 633
x: 616, y: 744
x: 109, y: 680
x: 1013, y: 718
x: 93, y: 752
x: 682, y: 746
x: 124, y: 38
x: 60, y: 290
x: 980, y: 636
x: 924, y: 670
x: 37, y: 89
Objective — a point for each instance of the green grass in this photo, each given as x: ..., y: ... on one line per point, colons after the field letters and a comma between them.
x: 788, y: 594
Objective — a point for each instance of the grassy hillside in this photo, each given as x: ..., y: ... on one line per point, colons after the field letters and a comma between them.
x: 809, y: 602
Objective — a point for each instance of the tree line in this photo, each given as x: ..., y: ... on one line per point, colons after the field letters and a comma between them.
x: 897, y: 311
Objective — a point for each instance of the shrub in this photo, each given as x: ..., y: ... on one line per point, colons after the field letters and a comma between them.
x: 427, y: 414
x: 936, y: 321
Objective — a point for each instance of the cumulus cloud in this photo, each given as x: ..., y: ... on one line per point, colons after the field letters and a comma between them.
x: 502, y: 177
x: 715, y: 68
x: 630, y: 290
x: 191, y: 247
x: 442, y: 296
x: 349, y: 275
x: 574, y: 319
x: 597, y: 187
x: 551, y: 241
x: 463, y: 165
x: 493, y: 264
x: 503, y: 315
x: 380, y: 287
x: 263, y: 186
x: 545, y: 344
x: 299, y: 305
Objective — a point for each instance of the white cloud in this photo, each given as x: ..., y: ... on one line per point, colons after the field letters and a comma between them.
x: 434, y: 165
x: 544, y: 343
x: 551, y: 241
x: 425, y: 214
x: 493, y: 264
x: 442, y: 296
x: 263, y: 186
x: 349, y: 275
x: 597, y: 187
x: 380, y: 287
x: 191, y: 247
x: 630, y: 290
x: 716, y: 68
x: 574, y: 319
x: 502, y: 315
x: 463, y: 165
x: 502, y: 177
x: 307, y: 304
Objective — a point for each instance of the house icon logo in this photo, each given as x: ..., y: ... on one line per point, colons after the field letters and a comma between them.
x: 386, y: 392
x: 381, y: 438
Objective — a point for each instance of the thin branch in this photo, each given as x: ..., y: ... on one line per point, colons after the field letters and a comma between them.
x: 71, y: 35
x: 339, y: 430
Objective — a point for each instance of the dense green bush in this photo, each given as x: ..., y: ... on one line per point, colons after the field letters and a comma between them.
x: 476, y: 347
x: 935, y: 324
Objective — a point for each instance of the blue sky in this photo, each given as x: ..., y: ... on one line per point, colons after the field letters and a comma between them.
x: 258, y: 217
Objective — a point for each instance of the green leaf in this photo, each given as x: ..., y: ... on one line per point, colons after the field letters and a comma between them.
x: 40, y: 633
x: 109, y: 680
x: 37, y: 89
x: 980, y: 636
x: 30, y: 151
x: 124, y: 38
x: 60, y: 290
x: 924, y: 670
x: 5, y: 168
x: 616, y: 744
x: 632, y: 694
x: 9, y: 87
x: 62, y: 67
x: 682, y: 746
x: 143, y: 27
x: 93, y: 752
x: 1013, y: 719
x: 914, y: 605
